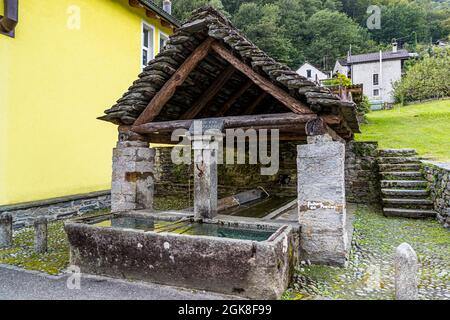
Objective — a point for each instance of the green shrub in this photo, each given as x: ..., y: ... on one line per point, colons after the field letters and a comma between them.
x: 428, y: 78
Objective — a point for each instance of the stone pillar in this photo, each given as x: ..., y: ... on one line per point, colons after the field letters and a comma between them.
x: 6, y: 230
x: 40, y: 235
x: 321, y: 201
x: 132, y: 177
x: 205, y: 176
x: 406, y: 282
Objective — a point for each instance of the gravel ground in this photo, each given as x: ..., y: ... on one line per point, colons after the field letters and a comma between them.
x: 370, y: 274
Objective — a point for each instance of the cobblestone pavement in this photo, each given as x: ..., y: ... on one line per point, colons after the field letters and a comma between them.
x: 370, y: 274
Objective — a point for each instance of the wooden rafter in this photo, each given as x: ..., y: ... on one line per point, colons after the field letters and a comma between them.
x: 278, y: 93
x: 210, y: 93
x: 255, y: 103
x: 235, y: 97
x: 167, y: 91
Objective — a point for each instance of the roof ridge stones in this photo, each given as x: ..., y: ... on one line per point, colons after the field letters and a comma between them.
x: 207, y: 20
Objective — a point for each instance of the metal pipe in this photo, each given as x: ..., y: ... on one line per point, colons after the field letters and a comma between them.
x: 11, y: 18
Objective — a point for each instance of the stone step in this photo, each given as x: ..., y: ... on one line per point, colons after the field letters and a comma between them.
x: 398, y: 160
x: 405, y: 193
x: 399, y: 167
x: 402, y: 175
x: 411, y: 184
x: 397, y: 152
x: 409, y: 213
x: 405, y: 203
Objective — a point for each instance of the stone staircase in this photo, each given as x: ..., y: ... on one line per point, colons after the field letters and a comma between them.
x: 403, y: 187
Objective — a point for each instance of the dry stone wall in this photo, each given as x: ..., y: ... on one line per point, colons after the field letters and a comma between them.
x: 362, y: 182
x: 438, y: 177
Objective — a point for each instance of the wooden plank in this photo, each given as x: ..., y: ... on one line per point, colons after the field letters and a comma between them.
x: 284, y: 120
x: 135, y: 4
x: 167, y: 91
x: 255, y: 103
x: 267, y: 86
x: 152, y: 15
x: 210, y: 93
x: 235, y: 97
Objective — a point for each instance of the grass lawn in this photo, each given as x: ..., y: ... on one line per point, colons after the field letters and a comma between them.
x: 424, y: 127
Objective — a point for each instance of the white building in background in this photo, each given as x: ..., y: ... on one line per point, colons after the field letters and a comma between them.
x: 312, y: 73
x: 341, y: 67
x: 376, y: 72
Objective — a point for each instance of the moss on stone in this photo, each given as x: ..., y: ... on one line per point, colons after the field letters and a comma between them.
x: 54, y: 261
x: 374, y: 241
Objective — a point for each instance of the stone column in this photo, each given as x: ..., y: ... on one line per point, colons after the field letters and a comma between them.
x: 205, y: 176
x: 6, y: 230
x: 40, y: 235
x: 132, y: 178
x: 321, y: 201
x: 406, y: 282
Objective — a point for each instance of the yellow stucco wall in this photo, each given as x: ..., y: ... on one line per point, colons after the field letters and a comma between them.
x: 54, y: 82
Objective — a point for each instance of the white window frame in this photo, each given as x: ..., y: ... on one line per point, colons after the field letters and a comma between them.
x: 159, y: 39
x: 378, y: 79
x: 376, y: 95
x: 150, y: 55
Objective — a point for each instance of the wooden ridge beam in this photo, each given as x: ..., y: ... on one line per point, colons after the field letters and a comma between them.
x: 210, y: 93
x: 167, y: 91
x: 267, y: 86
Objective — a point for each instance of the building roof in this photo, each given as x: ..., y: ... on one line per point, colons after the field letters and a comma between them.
x: 159, y: 11
x: 207, y: 23
x: 312, y: 65
x: 375, y: 56
x: 343, y: 62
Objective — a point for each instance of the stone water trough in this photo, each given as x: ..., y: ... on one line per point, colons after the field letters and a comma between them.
x: 249, y: 259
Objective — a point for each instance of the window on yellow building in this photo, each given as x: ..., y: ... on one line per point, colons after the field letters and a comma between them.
x: 147, y: 43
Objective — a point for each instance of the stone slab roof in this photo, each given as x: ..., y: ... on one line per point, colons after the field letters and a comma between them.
x: 375, y: 56
x: 207, y: 22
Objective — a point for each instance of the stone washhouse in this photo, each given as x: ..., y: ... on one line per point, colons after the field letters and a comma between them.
x: 209, y: 70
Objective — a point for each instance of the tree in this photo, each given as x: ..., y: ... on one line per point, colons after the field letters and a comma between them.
x: 330, y: 35
x: 262, y: 24
x: 401, y: 19
x: 427, y: 78
x: 182, y: 9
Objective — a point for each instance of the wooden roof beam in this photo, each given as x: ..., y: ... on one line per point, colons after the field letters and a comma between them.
x: 168, y: 90
x: 255, y: 103
x: 318, y: 126
x: 227, y: 106
x: 267, y: 86
x: 210, y: 93
x: 286, y: 120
